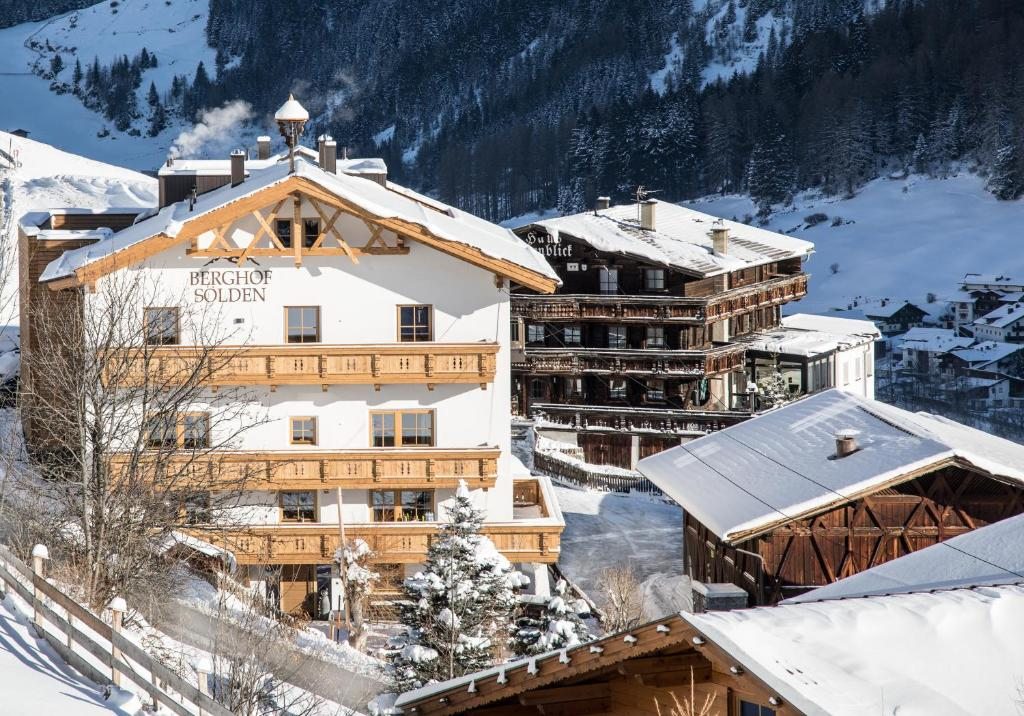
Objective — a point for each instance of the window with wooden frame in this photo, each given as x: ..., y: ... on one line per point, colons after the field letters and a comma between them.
x: 750, y: 708
x: 655, y: 389
x: 161, y: 431
x: 195, y: 431
x: 415, y: 324
x: 616, y: 336
x: 538, y: 389
x: 402, y: 428
x: 572, y: 335
x: 283, y: 229
x: 617, y: 389
x: 654, y: 279
x: 162, y: 326
x: 534, y: 333
x: 655, y: 337
x: 402, y: 505
x: 299, y: 506
x: 302, y: 430
x: 302, y: 324
x: 608, y: 280
x: 310, y: 232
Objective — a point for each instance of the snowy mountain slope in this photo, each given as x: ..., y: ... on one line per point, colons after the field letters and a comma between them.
x: 900, y: 239
x: 173, y: 30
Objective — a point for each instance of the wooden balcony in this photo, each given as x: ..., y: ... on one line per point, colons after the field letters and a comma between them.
x: 320, y: 470
x: 609, y: 361
x: 688, y: 310
x: 666, y: 421
x: 318, y: 364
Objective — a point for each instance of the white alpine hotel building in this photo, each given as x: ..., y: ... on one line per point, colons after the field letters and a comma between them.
x: 371, y: 325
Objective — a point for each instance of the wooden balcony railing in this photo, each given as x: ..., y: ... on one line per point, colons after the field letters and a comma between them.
x: 606, y: 361
x: 661, y: 309
x: 317, y: 364
x: 319, y: 470
x: 403, y: 542
x: 635, y: 419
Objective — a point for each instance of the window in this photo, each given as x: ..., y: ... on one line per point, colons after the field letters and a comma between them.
x: 415, y: 428
x: 617, y: 388
x: 310, y: 232
x: 534, y: 333
x: 302, y: 324
x: 195, y: 431
x: 161, y: 431
x: 655, y: 389
x: 573, y: 387
x: 414, y: 324
x: 748, y: 708
x: 609, y: 280
x: 283, y: 229
x: 298, y: 506
x: 654, y: 279
x: 161, y: 326
x: 655, y: 337
x: 572, y: 335
x: 514, y: 330
x: 537, y: 389
x: 616, y: 336
x: 195, y: 508
x: 303, y: 431
x: 402, y: 505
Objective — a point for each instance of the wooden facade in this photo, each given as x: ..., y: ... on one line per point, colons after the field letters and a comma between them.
x: 905, y: 515
x: 627, y: 673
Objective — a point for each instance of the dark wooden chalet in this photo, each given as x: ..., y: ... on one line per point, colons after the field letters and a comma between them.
x: 829, y: 486
x: 637, y: 349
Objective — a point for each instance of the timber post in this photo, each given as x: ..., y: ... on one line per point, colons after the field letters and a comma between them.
x: 39, y: 554
x: 118, y: 607
x: 203, y: 669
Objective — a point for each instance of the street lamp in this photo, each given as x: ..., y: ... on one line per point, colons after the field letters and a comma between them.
x: 291, y: 119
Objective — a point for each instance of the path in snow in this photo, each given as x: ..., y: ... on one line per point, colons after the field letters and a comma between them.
x: 34, y: 680
x: 607, y: 529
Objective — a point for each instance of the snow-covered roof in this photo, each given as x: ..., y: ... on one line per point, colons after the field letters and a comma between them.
x: 992, y: 280
x: 832, y: 324
x: 780, y: 465
x: 956, y: 653
x: 986, y: 352
x: 934, y: 340
x: 681, y: 239
x: 1005, y: 315
x: 889, y: 309
x: 450, y: 224
x: 806, y: 335
x: 987, y: 556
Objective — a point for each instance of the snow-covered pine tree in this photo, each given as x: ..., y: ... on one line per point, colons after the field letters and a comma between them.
x: 559, y: 627
x: 1005, y: 182
x: 458, y: 609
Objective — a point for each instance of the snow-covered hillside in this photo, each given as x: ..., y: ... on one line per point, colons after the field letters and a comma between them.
x: 173, y: 30
x: 897, y: 238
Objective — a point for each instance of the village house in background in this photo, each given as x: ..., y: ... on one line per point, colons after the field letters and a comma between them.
x: 371, y: 325
x: 638, y: 349
x: 828, y: 486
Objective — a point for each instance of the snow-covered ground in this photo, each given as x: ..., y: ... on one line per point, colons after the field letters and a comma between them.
x: 899, y: 238
x: 35, y: 681
x: 174, y: 30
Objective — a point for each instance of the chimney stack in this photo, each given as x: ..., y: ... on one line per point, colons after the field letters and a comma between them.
x: 603, y: 202
x: 237, y: 167
x: 320, y: 149
x: 263, y: 147
x: 720, y: 239
x: 647, y: 214
x: 846, y: 443
x: 330, y: 152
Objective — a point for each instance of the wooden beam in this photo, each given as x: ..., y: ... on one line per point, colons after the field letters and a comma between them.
x: 577, y: 708
x: 561, y: 694
x: 264, y: 227
x: 696, y: 675
x: 330, y: 227
x: 297, y: 233
x: 659, y: 664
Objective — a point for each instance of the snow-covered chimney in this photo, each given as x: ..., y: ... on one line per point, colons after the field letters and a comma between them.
x: 603, y: 202
x: 647, y: 214
x: 330, y: 163
x: 263, y: 147
x: 720, y: 239
x: 237, y: 167
x: 320, y: 149
x: 846, y: 443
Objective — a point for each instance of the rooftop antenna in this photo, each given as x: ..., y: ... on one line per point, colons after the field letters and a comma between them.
x: 641, y: 194
x: 291, y: 119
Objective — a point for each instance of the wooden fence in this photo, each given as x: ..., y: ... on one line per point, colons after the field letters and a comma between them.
x: 71, y: 629
x: 578, y: 475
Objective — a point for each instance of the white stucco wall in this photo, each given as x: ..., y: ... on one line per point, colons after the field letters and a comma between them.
x: 855, y: 370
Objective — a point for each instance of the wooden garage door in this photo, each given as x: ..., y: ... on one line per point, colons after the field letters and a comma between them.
x: 298, y: 581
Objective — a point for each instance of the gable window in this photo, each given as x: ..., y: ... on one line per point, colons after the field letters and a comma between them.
x: 534, y: 333
x: 415, y: 324
x: 402, y: 505
x: 161, y: 431
x: 402, y: 428
x: 655, y: 337
x: 298, y: 506
x: 608, y: 279
x: 310, y: 232
x: 302, y: 324
x: 572, y: 335
x: 616, y: 336
x: 654, y: 279
x: 195, y: 431
x: 303, y: 431
x: 161, y: 326
x: 283, y: 229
